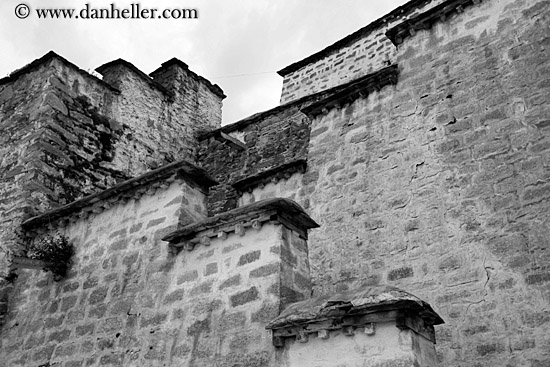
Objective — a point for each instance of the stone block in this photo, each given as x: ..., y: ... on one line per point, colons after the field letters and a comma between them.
x: 68, y: 302
x: 153, y: 320
x: 249, y: 257
x: 59, y: 336
x: 199, y: 327
x: 231, y: 247
x: 232, y: 321
x: 230, y: 282
x: 156, y: 222
x: 174, y: 296
x: 118, y: 245
x: 244, y: 297
x: 44, y: 353
x: 210, y: 269
x: 112, y: 359
x: 489, y: 348
x: 98, y: 295
x: 85, y: 329
x: 201, y: 288
x: 188, y: 276
x: 265, y: 270
x: 400, y: 273
x: 53, y: 322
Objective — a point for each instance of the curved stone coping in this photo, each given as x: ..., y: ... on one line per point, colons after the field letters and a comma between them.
x: 237, y: 220
x: 426, y: 20
x: 181, y: 169
x: 354, y: 303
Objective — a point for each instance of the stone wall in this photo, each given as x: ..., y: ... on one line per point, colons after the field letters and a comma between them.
x: 439, y: 185
x: 354, y: 56
x: 115, y: 305
x: 269, y: 141
x: 67, y: 134
x: 129, y: 300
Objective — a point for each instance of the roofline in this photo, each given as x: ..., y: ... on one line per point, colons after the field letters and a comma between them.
x: 405, y: 8
x: 43, y: 60
x: 187, y: 170
x: 301, y: 103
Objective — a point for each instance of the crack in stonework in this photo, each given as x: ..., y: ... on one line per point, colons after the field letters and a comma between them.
x: 487, y: 272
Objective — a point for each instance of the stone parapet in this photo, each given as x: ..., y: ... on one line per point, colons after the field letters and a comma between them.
x: 247, y: 264
x: 375, y: 326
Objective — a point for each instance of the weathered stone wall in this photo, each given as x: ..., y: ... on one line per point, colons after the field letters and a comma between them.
x: 48, y: 156
x: 162, y: 115
x: 130, y: 301
x: 356, y: 55
x: 440, y: 184
x: 116, y: 304
x: 270, y: 141
x: 66, y: 134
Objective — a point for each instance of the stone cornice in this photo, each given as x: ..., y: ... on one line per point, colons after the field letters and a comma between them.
x: 409, y: 27
x: 351, y: 91
x: 238, y: 220
x: 355, y: 309
x: 132, y: 188
x: 281, y: 172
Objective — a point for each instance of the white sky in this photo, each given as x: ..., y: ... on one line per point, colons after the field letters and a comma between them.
x: 231, y: 38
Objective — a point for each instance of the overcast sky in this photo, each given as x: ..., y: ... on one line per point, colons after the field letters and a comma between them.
x: 237, y: 44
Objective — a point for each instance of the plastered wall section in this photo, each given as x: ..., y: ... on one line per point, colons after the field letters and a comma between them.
x: 115, y: 307
x: 365, y: 52
x: 284, y: 188
x: 440, y: 184
x: 389, y: 347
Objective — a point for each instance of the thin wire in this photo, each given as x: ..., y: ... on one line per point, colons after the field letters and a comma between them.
x: 241, y: 75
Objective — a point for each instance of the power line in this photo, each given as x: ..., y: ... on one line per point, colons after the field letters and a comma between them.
x: 241, y: 75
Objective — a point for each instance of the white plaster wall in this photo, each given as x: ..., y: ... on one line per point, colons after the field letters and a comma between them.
x: 361, y: 350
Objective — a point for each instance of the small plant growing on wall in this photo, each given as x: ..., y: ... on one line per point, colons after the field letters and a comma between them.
x: 55, y: 251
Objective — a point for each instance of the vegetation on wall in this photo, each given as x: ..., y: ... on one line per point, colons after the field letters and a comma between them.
x: 55, y: 251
